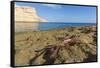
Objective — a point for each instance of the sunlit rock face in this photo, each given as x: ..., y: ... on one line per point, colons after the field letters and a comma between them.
x: 26, y: 19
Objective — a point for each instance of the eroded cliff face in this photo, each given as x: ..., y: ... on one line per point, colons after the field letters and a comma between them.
x: 26, y: 19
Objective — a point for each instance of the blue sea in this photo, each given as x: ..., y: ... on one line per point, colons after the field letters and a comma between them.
x: 47, y: 26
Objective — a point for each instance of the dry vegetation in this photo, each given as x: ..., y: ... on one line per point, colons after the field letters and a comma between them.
x: 37, y: 47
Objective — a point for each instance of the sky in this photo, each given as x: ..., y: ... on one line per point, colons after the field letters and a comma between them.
x: 63, y: 13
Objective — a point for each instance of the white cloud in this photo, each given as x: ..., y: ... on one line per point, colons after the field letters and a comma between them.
x: 52, y: 5
x: 17, y: 5
x: 20, y: 6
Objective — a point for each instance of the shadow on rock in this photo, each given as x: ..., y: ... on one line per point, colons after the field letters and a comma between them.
x: 34, y: 59
x: 90, y: 58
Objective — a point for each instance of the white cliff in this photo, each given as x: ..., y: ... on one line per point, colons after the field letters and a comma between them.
x: 26, y: 19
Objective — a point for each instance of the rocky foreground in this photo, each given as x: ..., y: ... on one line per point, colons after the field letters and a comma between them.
x: 31, y: 47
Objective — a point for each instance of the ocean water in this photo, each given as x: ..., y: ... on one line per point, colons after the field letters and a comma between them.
x: 47, y: 26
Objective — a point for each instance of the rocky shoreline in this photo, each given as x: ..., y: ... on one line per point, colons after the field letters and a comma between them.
x: 26, y: 44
